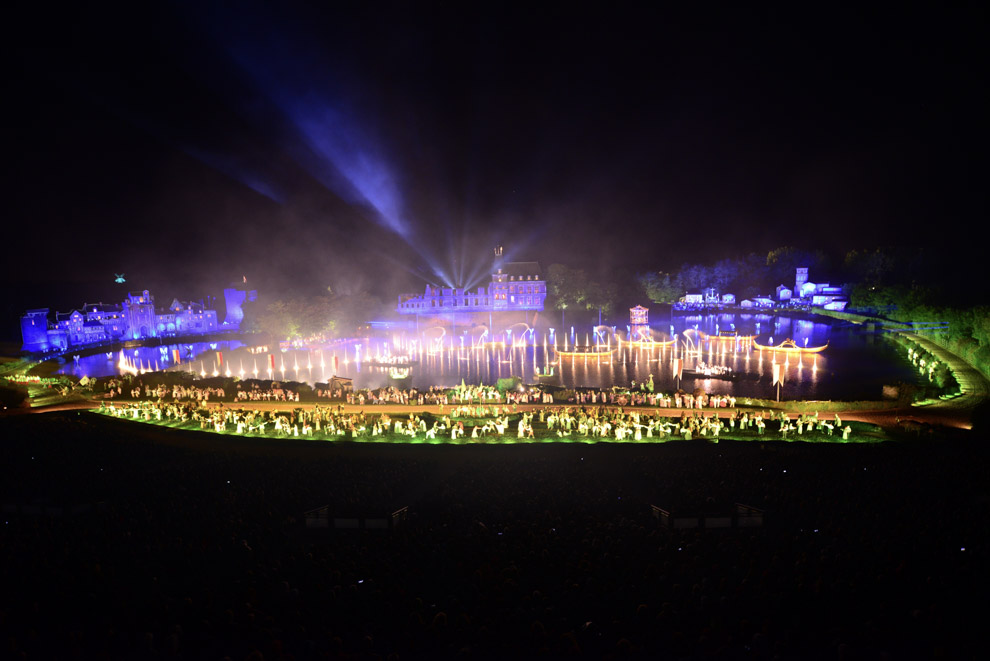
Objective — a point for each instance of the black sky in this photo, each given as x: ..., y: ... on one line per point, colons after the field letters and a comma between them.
x: 189, y: 144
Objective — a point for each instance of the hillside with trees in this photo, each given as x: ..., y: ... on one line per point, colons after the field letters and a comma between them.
x: 934, y: 289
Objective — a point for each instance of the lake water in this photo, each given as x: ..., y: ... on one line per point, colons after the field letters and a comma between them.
x: 150, y: 357
x: 856, y: 364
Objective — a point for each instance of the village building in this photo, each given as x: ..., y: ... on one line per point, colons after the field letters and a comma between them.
x: 815, y: 294
x: 135, y: 318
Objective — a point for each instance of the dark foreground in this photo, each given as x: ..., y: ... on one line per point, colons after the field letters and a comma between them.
x: 126, y: 541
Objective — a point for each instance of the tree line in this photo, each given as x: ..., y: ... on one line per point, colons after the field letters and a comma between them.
x: 746, y: 277
x: 328, y: 315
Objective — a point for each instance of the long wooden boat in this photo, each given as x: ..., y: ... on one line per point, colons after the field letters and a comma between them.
x: 789, y: 346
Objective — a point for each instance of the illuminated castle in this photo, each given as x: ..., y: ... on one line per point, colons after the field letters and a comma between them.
x: 135, y: 318
x: 515, y: 286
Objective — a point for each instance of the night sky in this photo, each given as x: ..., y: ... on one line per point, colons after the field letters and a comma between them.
x: 378, y: 145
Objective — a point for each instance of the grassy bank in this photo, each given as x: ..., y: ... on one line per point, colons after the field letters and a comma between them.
x: 861, y: 432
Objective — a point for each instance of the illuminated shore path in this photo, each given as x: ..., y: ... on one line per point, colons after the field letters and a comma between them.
x: 974, y: 387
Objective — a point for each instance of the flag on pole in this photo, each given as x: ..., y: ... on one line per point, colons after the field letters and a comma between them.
x: 678, y: 367
x: 271, y: 360
x: 176, y: 356
x: 220, y: 358
x: 778, y: 374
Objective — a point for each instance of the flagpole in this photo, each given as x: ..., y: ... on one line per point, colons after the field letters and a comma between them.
x: 778, y: 377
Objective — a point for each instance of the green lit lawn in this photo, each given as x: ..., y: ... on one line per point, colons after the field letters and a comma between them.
x: 861, y: 433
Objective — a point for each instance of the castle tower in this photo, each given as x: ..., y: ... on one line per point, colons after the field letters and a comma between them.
x: 234, y: 297
x: 800, y: 277
x: 139, y: 312
x: 34, y: 330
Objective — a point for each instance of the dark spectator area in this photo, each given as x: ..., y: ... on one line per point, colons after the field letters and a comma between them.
x: 127, y: 541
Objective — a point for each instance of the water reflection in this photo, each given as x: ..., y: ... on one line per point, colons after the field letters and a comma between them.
x: 727, y: 344
x: 152, y: 358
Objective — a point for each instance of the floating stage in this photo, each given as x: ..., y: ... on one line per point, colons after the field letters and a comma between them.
x: 402, y: 363
x: 647, y: 344
x: 587, y: 350
x: 722, y: 376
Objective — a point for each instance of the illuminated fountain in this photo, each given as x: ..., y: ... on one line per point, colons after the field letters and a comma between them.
x: 126, y: 365
x: 520, y: 331
x: 478, y: 356
x: 588, y: 349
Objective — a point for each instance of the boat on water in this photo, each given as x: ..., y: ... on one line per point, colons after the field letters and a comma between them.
x: 790, y: 346
x: 728, y: 376
x: 400, y: 362
x: 587, y: 350
x: 703, y: 371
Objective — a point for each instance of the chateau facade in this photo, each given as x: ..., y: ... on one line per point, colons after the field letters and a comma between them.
x: 515, y: 286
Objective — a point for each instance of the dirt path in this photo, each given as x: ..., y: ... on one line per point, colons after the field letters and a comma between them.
x: 950, y: 416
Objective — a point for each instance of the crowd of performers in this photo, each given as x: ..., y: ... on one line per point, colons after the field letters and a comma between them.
x: 116, y: 388
x: 434, y: 396
x: 476, y: 421
x: 439, y: 396
x: 323, y: 421
x: 489, y: 394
